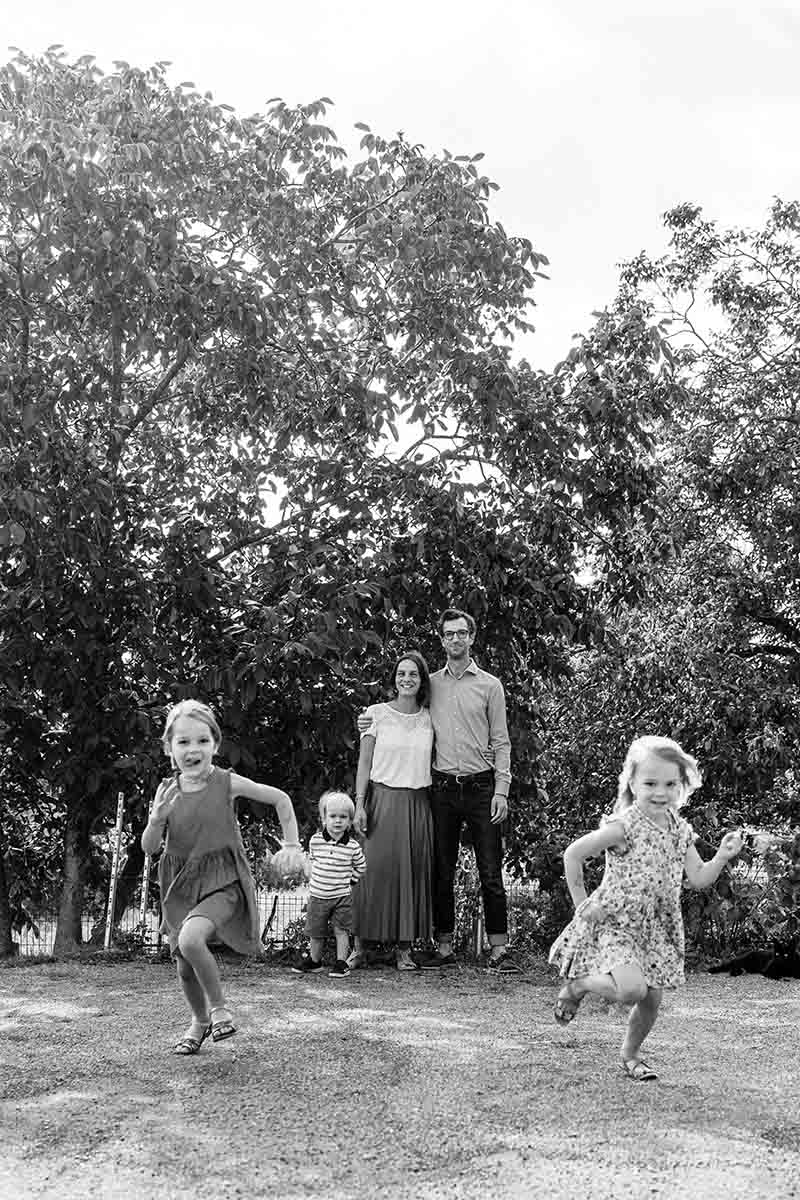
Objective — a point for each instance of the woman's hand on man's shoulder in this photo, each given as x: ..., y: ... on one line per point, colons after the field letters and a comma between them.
x: 364, y: 718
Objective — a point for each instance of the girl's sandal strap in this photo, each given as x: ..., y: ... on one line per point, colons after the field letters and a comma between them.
x: 220, y: 1030
x: 637, y: 1068
x: 189, y: 1044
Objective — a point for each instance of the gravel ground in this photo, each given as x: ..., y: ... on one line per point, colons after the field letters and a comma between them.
x: 405, y: 1087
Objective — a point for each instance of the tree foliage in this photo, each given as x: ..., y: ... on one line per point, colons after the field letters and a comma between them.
x: 260, y: 423
x: 732, y: 300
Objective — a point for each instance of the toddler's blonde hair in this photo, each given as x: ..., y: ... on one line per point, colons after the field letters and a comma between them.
x: 198, y: 712
x: 664, y: 748
x: 332, y: 794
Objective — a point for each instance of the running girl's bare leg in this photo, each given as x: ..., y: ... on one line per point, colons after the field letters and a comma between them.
x: 193, y: 940
x: 624, y: 985
x: 193, y: 991
x: 196, y: 997
x: 641, y: 1020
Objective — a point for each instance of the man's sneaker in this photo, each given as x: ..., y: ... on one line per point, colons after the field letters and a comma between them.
x: 307, y: 966
x: 339, y: 969
x: 433, y: 962
x: 503, y: 964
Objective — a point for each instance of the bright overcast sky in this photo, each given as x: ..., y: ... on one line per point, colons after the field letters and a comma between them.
x: 594, y: 117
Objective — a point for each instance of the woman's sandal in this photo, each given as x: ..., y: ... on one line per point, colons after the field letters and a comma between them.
x: 220, y: 1030
x: 566, y: 1005
x: 637, y: 1068
x: 189, y: 1044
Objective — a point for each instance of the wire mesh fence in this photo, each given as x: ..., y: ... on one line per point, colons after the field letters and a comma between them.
x: 278, y: 911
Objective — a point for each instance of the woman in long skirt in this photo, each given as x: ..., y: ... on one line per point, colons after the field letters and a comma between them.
x: 392, y: 903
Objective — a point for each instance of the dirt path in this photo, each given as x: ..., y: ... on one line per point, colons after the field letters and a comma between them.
x: 390, y: 1086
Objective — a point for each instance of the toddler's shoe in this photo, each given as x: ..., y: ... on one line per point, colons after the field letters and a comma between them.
x: 356, y: 959
x: 339, y: 969
x: 307, y: 966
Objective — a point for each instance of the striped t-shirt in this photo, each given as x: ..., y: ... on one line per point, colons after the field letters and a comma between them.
x: 335, y: 866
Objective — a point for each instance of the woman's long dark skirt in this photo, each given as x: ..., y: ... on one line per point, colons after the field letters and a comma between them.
x: 392, y: 902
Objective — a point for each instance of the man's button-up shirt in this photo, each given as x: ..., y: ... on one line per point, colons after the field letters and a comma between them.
x: 469, y: 721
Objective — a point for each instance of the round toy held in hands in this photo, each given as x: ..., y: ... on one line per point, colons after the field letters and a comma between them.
x: 288, y: 867
x: 732, y: 843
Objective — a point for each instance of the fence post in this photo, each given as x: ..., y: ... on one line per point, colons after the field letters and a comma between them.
x: 112, y: 886
x: 478, y: 932
x: 145, y: 888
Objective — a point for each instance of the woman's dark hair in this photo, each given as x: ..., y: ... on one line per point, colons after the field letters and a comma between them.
x: 424, y: 693
x: 455, y: 614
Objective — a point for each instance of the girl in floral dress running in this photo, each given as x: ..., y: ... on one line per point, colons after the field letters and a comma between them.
x: 206, y: 885
x: 626, y: 941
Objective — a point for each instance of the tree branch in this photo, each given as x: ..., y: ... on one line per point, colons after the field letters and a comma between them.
x: 116, y: 355
x: 160, y: 389
x: 781, y: 625
x: 335, y: 237
x: 25, y: 334
x: 774, y: 651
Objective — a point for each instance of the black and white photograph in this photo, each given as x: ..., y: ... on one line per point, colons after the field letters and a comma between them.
x: 400, y: 601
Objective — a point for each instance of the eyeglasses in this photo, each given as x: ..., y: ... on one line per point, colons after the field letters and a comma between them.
x: 455, y: 633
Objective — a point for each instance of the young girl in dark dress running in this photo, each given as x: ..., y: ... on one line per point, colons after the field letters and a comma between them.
x: 206, y: 884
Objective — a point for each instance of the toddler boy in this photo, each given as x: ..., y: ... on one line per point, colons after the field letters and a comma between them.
x: 336, y: 862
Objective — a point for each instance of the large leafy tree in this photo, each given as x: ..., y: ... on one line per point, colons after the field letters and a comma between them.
x: 731, y: 298
x: 259, y: 423
x: 711, y: 655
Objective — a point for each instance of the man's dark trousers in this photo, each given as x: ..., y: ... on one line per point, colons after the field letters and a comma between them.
x: 457, y: 800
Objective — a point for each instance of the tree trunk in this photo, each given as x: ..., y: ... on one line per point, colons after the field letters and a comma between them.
x: 6, y: 937
x: 76, y: 856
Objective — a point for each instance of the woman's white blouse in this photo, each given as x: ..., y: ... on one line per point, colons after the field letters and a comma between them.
x: 403, y: 745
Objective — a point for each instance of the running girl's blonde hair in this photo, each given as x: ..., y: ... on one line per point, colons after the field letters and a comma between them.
x: 190, y: 708
x: 326, y: 798
x: 664, y: 748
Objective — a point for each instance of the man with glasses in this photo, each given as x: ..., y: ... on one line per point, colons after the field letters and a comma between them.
x: 471, y: 777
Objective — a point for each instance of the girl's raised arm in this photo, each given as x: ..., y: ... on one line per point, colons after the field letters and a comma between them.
x: 153, y: 834
x: 702, y: 874
x: 262, y: 793
x: 589, y: 846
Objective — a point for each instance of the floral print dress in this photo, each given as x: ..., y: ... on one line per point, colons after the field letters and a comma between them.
x: 641, y: 895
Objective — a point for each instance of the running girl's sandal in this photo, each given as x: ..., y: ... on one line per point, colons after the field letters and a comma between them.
x: 566, y: 1005
x: 220, y: 1030
x: 637, y: 1068
x: 190, y: 1045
